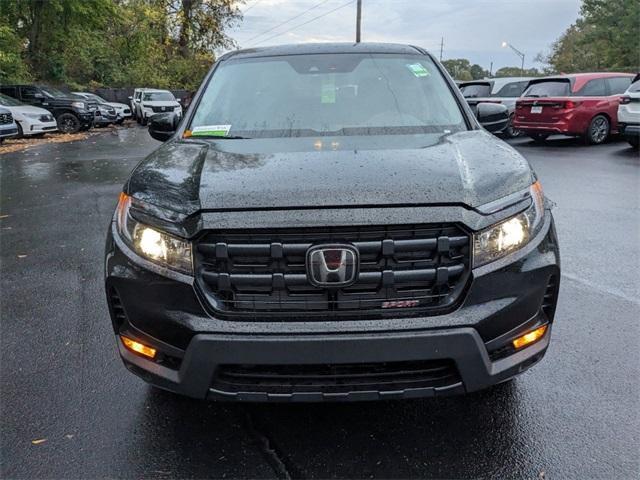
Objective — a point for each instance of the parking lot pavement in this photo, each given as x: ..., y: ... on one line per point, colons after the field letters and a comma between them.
x: 70, y: 409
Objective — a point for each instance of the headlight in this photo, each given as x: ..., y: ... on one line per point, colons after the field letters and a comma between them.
x: 79, y: 105
x: 33, y: 115
x: 150, y: 243
x: 510, y: 235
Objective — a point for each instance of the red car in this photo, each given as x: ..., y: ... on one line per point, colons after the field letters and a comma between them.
x: 580, y: 104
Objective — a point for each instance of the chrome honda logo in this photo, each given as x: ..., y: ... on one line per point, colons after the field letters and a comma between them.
x: 332, y: 265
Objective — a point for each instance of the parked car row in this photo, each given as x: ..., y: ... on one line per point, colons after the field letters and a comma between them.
x: 146, y: 102
x: 8, y: 127
x: 592, y: 106
x: 38, y: 109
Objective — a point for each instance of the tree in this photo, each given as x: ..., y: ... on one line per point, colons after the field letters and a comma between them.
x: 605, y: 37
x: 477, y: 72
x: 517, y: 72
x: 161, y: 43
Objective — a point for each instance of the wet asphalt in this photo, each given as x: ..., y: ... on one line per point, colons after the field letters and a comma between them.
x: 575, y: 415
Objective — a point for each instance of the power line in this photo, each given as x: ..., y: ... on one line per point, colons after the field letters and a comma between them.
x: 288, y: 20
x: 305, y: 23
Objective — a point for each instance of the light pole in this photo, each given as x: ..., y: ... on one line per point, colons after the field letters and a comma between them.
x: 517, y: 52
x: 358, y: 20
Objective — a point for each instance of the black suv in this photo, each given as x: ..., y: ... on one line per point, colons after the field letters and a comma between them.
x: 71, y: 112
x: 330, y: 222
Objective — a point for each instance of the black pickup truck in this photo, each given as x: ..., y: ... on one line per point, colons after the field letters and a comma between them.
x: 331, y: 222
x: 71, y: 112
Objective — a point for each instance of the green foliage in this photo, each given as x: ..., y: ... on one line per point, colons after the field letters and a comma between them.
x: 461, y: 69
x: 12, y: 67
x: 517, y: 72
x: 605, y: 37
x: 160, y: 43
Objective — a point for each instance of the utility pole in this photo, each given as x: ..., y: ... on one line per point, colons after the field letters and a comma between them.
x: 491, y: 70
x: 441, y: 47
x: 358, y: 21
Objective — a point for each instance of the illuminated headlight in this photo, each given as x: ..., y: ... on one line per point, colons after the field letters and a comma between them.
x: 150, y: 243
x: 510, y: 235
x: 78, y: 105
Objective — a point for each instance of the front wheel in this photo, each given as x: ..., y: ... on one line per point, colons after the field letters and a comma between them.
x: 68, y: 123
x: 598, y: 130
x: 20, y: 131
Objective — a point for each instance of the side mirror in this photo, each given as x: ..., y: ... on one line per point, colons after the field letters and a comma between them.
x: 492, y: 116
x: 38, y: 97
x: 162, y: 126
x: 137, y: 100
x: 130, y: 97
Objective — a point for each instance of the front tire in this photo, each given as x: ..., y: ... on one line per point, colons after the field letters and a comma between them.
x: 20, y: 131
x: 598, y: 130
x: 68, y: 123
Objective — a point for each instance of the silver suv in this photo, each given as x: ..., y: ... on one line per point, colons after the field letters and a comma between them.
x: 496, y: 90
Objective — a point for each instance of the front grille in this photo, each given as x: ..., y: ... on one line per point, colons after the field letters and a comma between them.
x: 161, y: 109
x: 338, y: 378
x: 404, y: 271
x: 6, y: 118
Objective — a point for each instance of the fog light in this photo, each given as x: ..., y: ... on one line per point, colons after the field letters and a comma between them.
x: 138, y: 347
x: 529, y: 338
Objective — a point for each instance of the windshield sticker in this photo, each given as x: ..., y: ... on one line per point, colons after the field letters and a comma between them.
x: 328, y: 90
x: 211, y: 131
x: 418, y: 70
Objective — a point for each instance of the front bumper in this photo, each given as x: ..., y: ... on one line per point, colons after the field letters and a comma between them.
x: 35, y: 126
x: 503, y: 300
x: 6, y: 132
x: 85, y: 117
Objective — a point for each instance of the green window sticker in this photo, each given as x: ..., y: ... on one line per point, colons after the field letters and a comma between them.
x: 418, y: 70
x: 211, y: 131
x: 328, y: 94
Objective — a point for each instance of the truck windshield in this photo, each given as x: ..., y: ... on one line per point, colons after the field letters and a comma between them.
x: 53, y: 92
x: 548, y: 88
x: 6, y: 101
x: 319, y: 94
x: 158, y: 97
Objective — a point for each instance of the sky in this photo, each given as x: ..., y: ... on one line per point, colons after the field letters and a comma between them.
x: 472, y: 29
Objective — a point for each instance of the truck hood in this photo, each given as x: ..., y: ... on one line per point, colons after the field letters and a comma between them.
x: 469, y: 169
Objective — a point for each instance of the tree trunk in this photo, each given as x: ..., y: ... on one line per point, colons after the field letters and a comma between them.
x: 185, y: 27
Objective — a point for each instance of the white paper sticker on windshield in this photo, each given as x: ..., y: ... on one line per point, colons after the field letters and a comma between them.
x: 211, y: 131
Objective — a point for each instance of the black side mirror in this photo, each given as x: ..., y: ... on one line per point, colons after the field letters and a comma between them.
x: 162, y: 126
x: 492, y: 116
